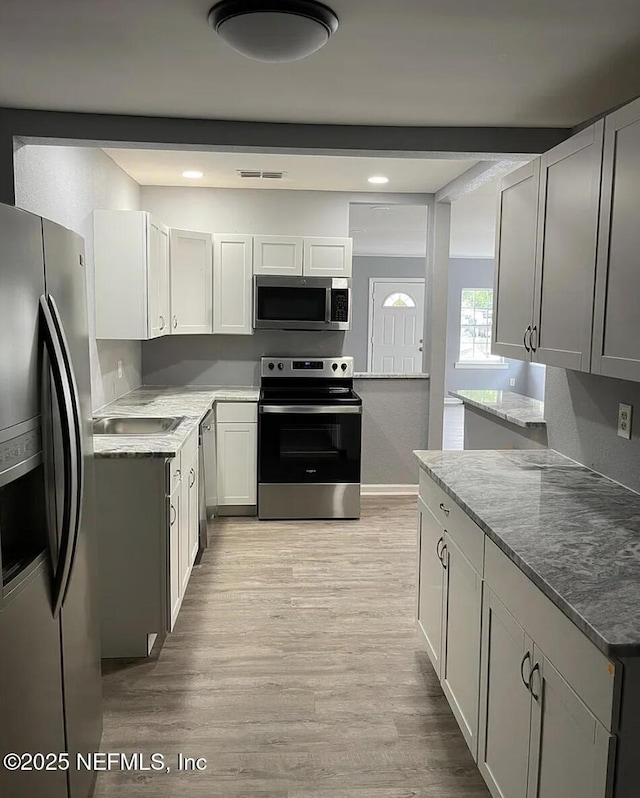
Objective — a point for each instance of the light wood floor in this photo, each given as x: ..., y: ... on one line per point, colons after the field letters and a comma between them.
x: 453, y: 429
x: 295, y: 670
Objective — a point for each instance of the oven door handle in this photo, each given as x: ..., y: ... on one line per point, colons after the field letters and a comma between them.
x: 336, y: 410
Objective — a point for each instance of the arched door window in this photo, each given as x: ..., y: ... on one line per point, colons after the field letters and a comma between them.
x: 399, y: 300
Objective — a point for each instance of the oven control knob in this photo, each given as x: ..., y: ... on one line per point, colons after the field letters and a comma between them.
x: 271, y: 366
x: 344, y: 367
x: 334, y: 366
x: 280, y: 366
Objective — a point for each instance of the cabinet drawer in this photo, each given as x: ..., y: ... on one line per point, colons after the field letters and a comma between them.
x: 237, y: 411
x: 589, y: 672
x: 175, y: 465
x: 189, y: 449
x: 466, y: 533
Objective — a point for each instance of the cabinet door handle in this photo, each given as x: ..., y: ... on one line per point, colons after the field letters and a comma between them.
x: 535, y: 668
x: 444, y: 509
x: 192, y: 478
x: 526, y: 683
x: 524, y: 339
x: 534, y: 332
x: 175, y: 322
x: 442, y: 556
x: 173, y: 519
x: 438, y: 544
x: 161, y: 318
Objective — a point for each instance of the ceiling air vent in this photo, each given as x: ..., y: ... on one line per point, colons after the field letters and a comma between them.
x: 255, y: 173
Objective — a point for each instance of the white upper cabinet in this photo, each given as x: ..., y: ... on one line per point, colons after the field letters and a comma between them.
x: 566, y: 251
x: 515, y: 262
x: 327, y: 257
x: 131, y: 275
x: 158, y: 277
x: 191, y: 282
x: 277, y: 255
x: 232, y: 284
x: 616, y: 335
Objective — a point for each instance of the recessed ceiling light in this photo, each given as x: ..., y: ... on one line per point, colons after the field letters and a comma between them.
x: 193, y: 174
x: 275, y: 30
x: 378, y: 180
x: 380, y: 208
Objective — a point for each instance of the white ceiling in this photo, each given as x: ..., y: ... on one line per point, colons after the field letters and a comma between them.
x: 303, y: 172
x: 391, y: 230
x: 445, y: 62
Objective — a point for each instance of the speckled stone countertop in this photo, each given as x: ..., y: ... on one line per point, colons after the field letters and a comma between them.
x: 519, y: 410
x: 573, y: 532
x: 192, y: 403
x: 365, y: 375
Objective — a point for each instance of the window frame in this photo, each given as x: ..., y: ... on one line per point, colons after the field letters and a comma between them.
x: 490, y: 362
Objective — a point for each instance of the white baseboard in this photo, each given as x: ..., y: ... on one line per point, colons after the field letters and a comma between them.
x: 388, y: 490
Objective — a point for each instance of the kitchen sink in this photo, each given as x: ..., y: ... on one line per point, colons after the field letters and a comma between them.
x: 132, y: 425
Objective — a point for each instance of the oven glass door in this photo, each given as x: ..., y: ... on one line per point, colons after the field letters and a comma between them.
x: 308, y: 447
x: 291, y: 303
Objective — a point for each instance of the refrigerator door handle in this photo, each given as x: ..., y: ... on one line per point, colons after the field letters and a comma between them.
x: 77, y: 473
x: 62, y: 390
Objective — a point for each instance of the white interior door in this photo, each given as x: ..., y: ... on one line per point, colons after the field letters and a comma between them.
x: 396, y: 324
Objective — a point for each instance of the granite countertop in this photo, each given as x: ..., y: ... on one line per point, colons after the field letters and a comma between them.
x: 367, y: 375
x: 192, y: 403
x: 514, y: 407
x: 573, y: 532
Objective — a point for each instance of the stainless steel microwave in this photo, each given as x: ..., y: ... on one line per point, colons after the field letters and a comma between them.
x: 301, y: 303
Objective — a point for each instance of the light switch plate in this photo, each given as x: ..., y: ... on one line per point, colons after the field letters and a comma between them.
x: 625, y: 415
x: 120, y: 370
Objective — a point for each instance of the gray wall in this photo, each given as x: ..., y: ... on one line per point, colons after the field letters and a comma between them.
x: 478, y: 273
x: 227, y: 359
x: 66, y: 184
x: 534, y: 381
x: 582, y: 418
x: 394, y: 423
x: 356, y: 340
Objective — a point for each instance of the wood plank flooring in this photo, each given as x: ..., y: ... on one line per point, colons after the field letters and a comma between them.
x: 296, y: 671
x: 453, y: 427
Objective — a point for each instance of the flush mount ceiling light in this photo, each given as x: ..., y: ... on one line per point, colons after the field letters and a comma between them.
x: 276, y: 30
x: 378, y: 180
x: 193, y: 174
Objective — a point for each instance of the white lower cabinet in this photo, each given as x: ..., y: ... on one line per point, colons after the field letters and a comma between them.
x: 569, y: 748
x: 173, y: 550
x: 194, y: 510
x: 537, y: 739
x: 237, y: 452
x: 431, y: 582
x: 505, y: 702
x: 535, y: 699
x: 460, y: 659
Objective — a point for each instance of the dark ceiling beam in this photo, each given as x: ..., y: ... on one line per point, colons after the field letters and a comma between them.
x: 480, y: 143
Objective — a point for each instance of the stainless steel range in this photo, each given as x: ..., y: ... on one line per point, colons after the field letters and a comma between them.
x: 309, y: 439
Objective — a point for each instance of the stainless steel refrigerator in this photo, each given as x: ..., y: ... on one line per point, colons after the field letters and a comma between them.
x: 49, y: 630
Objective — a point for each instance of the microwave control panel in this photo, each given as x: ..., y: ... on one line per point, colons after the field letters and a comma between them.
x: 340, y: 304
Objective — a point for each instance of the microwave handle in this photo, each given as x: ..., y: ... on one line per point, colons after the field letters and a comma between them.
x: 327, y: 310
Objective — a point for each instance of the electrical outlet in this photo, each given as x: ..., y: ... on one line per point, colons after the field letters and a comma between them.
x: 625, y: 414
x: 120, y: 370
x: 512, y: 382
